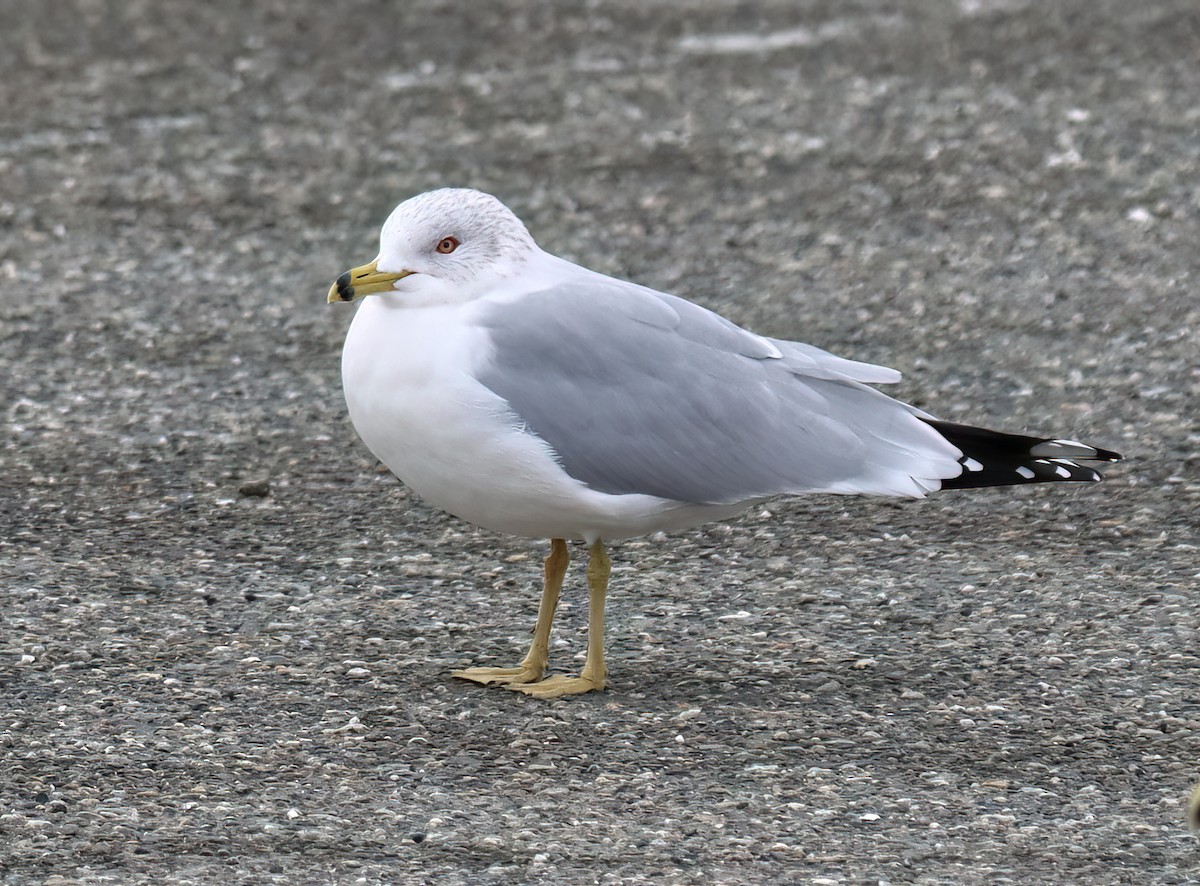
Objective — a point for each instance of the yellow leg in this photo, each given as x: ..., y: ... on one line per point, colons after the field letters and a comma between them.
x: 534, y: 666
x: 594, y: 672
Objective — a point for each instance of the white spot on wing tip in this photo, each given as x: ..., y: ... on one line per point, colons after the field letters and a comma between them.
x: 1062, y: 472
x: 971, y: 464
x: 1025, y: 472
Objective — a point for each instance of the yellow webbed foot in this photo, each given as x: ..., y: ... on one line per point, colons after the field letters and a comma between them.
x: 527, y: 676
x: 558, y: 686
x: 506, y: 676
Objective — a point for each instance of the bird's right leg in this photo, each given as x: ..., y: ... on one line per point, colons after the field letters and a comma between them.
x: 534, y: 666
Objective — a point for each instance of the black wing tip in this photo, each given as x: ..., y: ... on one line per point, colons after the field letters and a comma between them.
x: 1017, y: 472
x: 1070, y: 449
x: 993, y: 458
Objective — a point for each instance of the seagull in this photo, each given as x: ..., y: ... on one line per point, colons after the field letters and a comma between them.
x: 531, y: 396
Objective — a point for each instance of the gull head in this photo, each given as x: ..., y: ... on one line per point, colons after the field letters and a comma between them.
x: 441, y: 247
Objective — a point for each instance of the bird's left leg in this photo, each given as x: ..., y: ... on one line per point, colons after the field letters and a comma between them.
x: 594, y: 672
x: 535, y: 662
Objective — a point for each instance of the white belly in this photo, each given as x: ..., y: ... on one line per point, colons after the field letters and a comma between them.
x: 407, y: 374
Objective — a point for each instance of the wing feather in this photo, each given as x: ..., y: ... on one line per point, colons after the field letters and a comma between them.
x: 641, y: 392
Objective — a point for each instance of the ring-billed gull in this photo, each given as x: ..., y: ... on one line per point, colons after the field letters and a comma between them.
x: 531, y: 396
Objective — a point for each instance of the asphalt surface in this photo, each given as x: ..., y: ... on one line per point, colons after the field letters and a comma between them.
x: 200, y: 684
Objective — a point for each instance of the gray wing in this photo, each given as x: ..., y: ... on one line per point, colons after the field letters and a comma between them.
x: 641, y: 392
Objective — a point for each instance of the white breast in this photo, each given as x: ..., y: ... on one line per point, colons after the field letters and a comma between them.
x: 412, y: 396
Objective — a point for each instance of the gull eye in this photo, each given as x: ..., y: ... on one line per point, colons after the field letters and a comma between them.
x: 447, y: 245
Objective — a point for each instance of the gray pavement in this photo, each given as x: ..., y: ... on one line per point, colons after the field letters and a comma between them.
x: 200, y: 685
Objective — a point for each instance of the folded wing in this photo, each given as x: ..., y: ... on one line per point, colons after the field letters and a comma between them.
x: 641, y: 392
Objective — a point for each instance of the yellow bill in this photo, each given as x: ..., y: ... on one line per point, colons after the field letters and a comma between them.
x: 363, y: 280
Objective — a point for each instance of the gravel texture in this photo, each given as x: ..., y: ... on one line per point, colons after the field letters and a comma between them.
x: 226, y: 634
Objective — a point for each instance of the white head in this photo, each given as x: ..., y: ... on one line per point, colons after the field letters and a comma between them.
x: 443, y: 246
